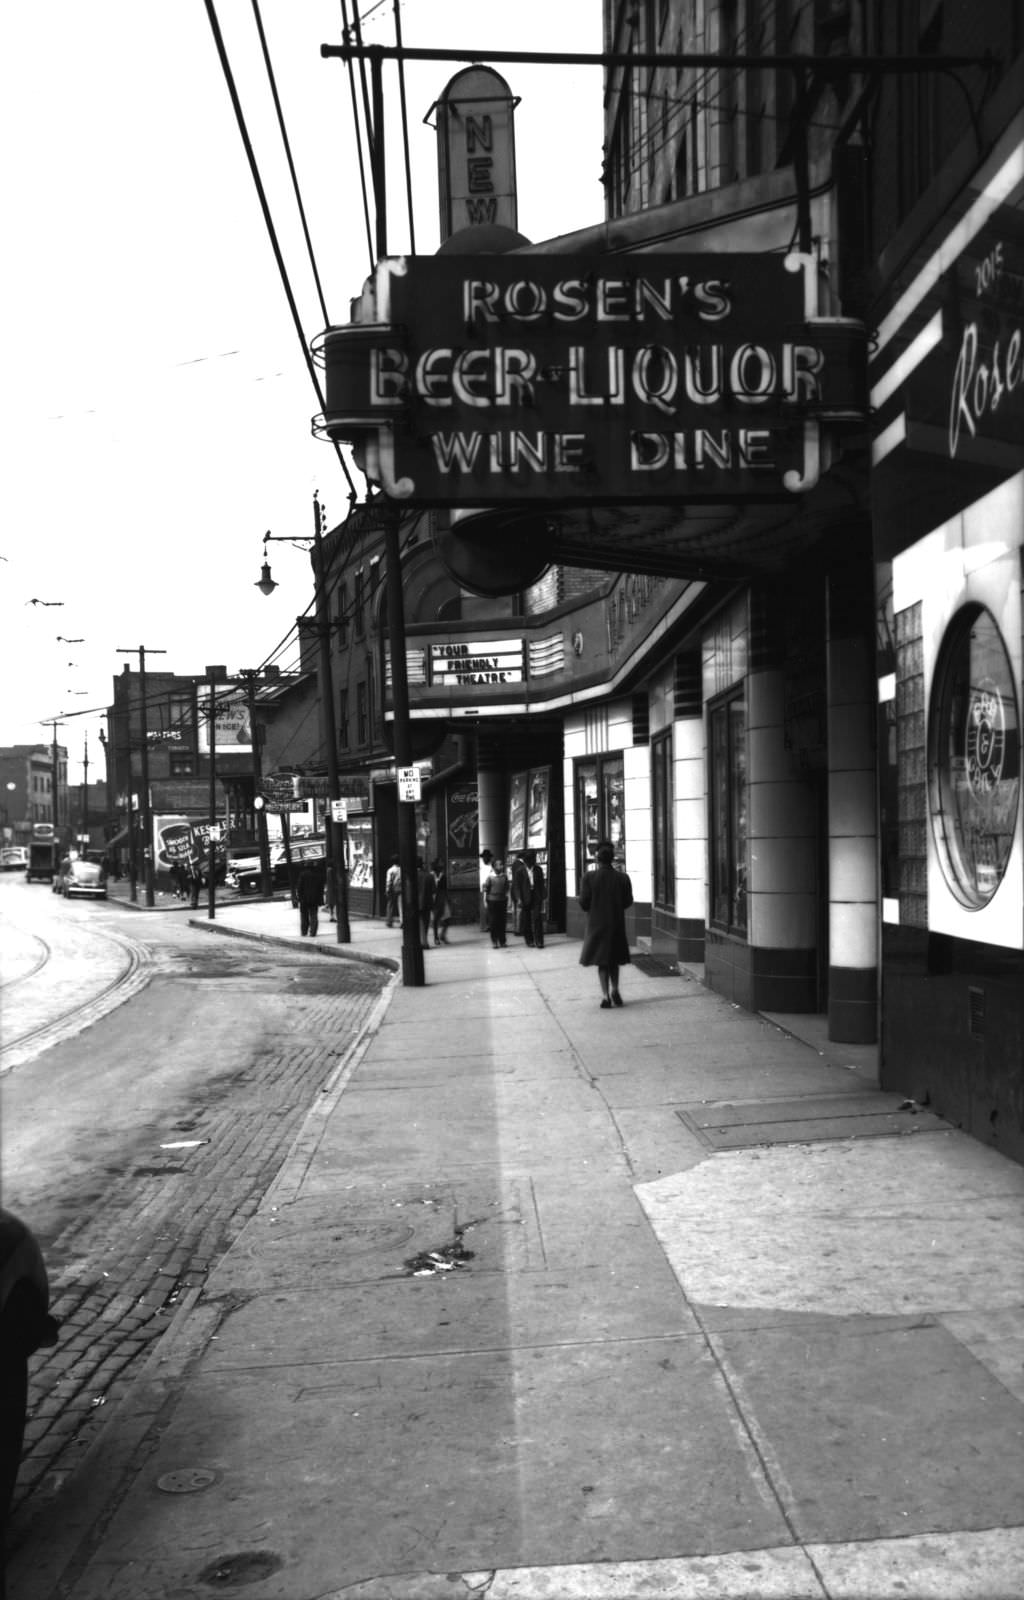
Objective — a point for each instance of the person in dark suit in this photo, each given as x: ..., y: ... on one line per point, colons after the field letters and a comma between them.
x: 537, y: 903
x: 522, y: 897
x: 606, y: 896
x: 310, y: 893
x: 424, y: 899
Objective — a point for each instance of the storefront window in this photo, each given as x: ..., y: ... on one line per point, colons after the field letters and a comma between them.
x: 728, y: 833
x: 360, y: 853
x: 600, y: 810
x: 974, y: 746
x: 661, y: 812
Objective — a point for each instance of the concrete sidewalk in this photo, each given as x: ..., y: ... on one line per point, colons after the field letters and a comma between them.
x: 552, y: 1301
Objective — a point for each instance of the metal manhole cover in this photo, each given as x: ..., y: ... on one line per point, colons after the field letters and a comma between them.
x: 188, y: 1480
x: 814, y: 1119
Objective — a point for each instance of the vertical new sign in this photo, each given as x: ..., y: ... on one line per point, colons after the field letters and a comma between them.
x: 476, y: 152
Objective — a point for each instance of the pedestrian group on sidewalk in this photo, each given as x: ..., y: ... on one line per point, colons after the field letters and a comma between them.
x: 606, y: 895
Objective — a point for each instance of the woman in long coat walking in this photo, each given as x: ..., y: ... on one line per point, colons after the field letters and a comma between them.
x: 605, y: 897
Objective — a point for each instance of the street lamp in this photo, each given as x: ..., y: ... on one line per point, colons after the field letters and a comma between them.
x: 266, y: 584
x: 336, y: 842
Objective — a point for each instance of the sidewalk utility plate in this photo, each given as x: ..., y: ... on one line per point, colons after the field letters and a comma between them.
x: 730, y: 1126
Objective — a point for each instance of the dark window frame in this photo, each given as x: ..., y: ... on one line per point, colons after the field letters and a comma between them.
x: 358, y: 615
x: 342, y: 613
x: 343, y: 736
x: 663, y: 854
x: 362, y: 714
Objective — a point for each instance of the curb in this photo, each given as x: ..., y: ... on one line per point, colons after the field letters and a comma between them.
x: 316, y: 948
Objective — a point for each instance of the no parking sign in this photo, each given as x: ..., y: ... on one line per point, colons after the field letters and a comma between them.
x: 409, y: 783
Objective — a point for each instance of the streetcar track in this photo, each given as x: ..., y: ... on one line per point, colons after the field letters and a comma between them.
x: 136, y: 974
x: 9, y: 983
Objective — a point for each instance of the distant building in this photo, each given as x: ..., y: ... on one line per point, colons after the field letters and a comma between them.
x: 168, y: 728
x: 27, y: 789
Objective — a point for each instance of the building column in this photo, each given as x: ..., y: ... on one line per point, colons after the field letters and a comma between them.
x: 852, y: 815
x: 493, y: 821
x: 690, y: 823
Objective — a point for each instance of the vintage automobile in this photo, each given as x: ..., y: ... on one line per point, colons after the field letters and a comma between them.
x: 41, y: 862
x: 244, y: 874
x: 25, y: 1326
x: 13, y: 858
x: 80, y: 875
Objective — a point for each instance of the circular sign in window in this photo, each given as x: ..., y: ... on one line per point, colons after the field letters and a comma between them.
x: 974, y: 742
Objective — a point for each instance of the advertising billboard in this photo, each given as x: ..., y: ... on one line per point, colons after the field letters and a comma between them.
x: 232, y: 731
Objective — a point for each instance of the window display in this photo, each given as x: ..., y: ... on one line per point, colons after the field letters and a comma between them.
x: 517, y: 812
x: 537, y: 811
x: 360, y: 852
x: 974, y: 743
x: 600, y: 810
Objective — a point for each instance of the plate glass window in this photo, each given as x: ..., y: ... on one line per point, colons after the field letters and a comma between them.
x: 661, y: 816
x: 974, y: 746
x: 728, y: 750
x: 600, y: 810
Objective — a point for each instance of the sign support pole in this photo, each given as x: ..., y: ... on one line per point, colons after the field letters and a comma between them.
x: 412, y: 944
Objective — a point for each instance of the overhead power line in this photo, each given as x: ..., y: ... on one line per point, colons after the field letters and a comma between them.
x: 288, y: 155
x: 268, y: 220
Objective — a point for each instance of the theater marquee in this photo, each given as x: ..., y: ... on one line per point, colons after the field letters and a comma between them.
x: 490, y: 380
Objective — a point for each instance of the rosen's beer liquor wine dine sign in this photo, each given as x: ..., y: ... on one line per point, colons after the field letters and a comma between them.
x: 486, y: 380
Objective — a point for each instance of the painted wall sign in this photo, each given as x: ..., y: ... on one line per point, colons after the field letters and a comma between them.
x: 947, y: 366
x: 476, y: 154
x: 527, y: 378
x: 232, y: 730
x: 487, y: 661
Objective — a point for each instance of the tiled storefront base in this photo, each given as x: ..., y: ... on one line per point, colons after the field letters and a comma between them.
x: 677, y: 938
x: 760, y: 979
x: 853, y: 1004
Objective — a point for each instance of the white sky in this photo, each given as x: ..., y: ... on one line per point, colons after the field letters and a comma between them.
x: 156, y: 404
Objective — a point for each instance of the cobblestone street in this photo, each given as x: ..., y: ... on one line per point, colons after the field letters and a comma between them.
x: 124, y: 1265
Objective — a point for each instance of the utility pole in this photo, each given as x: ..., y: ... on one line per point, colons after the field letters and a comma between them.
x: 336, y: 843
x: 259, y: 805
x: 147, y: 811
x: 55, y: 785
x: 85, y: 794
x: 211, y: 904
x: 412, y: 948
x: 335, y: 834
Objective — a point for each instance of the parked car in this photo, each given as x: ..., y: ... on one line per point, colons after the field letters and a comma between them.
x: 244, y: 874
x: 77, y: 875
x: 13, y: 858
x: 25, y: 1326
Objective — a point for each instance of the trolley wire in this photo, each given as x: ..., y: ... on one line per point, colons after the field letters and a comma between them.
x: 268, y: 220
x: 288, y: 155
